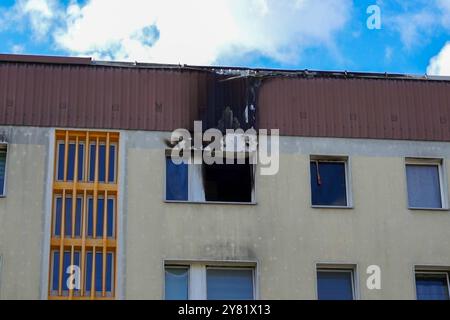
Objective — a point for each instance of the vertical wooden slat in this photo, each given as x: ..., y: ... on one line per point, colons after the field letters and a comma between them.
x: 66, y: 152
x: 83, y: 243
x: 97, y: 148
x: 107, y: 159
x: 61, y: 247
x: 74, y: 188
x: 93, y: 289
x: 71, y: 264
x: 105, y: 215
x: 86, y: 157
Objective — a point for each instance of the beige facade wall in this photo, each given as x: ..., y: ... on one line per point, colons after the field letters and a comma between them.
x: 281, y: 233
x: 22, y: 213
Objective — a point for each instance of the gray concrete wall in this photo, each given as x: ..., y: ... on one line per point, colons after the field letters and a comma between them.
x: 281, y: 233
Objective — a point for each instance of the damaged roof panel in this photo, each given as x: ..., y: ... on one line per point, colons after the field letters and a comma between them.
x: 88, y: 94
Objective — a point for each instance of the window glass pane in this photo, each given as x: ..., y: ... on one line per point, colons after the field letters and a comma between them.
x: 78, y: 213
x: 176, y: 283
x: 76, y: 262
x: 88, y: 271
x: 90, y: 218
x: 100, y: 215
x: 101, y: 163
x: 55, y: 273
x: 229, y: 284
x: 57, y: 223
x: 109, y: 271
x: 2, y: 172
x: 80, y: 161
x: 110, y: 226
x: 66, y: 264
x: 334, y: 285
x: 423, y: 186
x: 92, y: 162
x: 98, y: 271
x: 68, y: 218
x: 432, y: 287
x: 61, y: 152
x: 71, y: 162
x: 328, y: 185
x: 112, y: 163
x: 176, y: 181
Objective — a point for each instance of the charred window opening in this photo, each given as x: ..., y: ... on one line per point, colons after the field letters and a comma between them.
x: 224, y: 182
x: 228, y: 182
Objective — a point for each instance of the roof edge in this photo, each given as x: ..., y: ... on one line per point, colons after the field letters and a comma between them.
x: 44, y: 59
x: 222, y: 70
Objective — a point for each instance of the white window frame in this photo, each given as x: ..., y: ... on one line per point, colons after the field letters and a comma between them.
x: 440, y: 163
x: 431, y: 272
x: 348, y: 179
x: 197, y: 275
x: 332, y: 268
x: 4, y: 145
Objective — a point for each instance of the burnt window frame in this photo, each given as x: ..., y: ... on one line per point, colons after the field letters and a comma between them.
x: 191, y: 201
x: 348, y: 180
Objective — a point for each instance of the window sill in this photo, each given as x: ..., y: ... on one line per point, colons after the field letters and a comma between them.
x: 331, y: 207
x: 428, y: 209
x: 212, y: 202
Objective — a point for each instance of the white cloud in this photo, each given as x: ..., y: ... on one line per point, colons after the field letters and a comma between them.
x: 415, y: 27
x: 440, y: 64
x: 199, y: 31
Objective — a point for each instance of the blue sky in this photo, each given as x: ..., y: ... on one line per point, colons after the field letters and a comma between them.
x: 292, y: 34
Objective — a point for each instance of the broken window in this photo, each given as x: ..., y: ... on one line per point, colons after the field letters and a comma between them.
x: 228, y: 182
x: 329, y: 183
x: 210, y: 183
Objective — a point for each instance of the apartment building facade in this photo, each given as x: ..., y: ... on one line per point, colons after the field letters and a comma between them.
x: 88, y: 187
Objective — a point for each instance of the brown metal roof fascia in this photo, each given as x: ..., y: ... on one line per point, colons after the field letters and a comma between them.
x: 44, y: 59
x: 357, y: 108
x: 160, y: 99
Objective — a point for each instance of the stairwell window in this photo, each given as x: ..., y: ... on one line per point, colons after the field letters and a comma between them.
x: 84, y: 215
x: 3, y: 153
x: 330, y: 182
x: 425, y: 184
